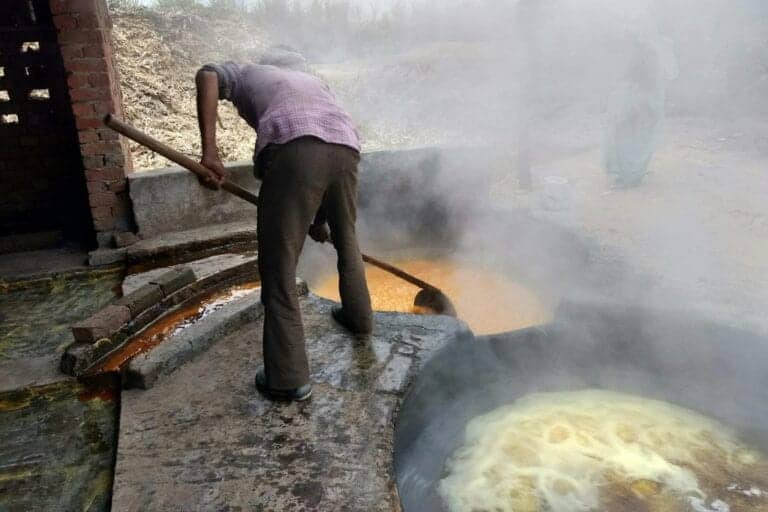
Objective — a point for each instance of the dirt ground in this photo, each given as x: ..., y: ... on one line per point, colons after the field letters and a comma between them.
x: 695, y: 232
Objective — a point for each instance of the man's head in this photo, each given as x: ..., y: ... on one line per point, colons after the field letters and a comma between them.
x: 284, y: 56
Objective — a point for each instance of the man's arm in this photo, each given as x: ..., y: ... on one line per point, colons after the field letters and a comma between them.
x: 207, y: 104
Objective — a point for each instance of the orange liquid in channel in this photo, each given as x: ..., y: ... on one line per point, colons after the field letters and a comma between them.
x: 488, y: 302
x: 175, y: 322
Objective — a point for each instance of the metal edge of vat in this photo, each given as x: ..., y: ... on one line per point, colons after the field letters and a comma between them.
x: 674, y: 356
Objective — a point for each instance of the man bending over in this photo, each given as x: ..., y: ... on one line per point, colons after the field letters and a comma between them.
x: 306, y: 156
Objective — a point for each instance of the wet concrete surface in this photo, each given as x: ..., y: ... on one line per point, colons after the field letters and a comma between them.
x: 58, y: 447
x: 35, y: 320
x: 203, y: 439
x: 57, y: 437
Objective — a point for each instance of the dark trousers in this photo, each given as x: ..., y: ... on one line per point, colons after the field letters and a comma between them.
x: 298, y: 178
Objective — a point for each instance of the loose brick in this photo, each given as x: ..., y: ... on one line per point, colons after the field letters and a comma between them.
x: 142, y: 299
x: 103, y: 324
x: 174, y: 280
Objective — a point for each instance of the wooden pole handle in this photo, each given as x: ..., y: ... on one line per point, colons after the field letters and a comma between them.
x: 174, y: 156
x: 399, y: 273
x: 197, y: 168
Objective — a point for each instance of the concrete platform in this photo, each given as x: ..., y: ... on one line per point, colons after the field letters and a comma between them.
x: 203, y: 439
x: 58, y: 448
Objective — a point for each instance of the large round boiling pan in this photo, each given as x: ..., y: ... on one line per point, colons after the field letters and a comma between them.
x: 717, y: 370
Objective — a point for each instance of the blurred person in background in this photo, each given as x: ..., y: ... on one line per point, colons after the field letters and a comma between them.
x: 637, y: 109
x: 306, y: 156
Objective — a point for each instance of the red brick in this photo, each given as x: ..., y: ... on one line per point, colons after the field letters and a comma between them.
x: 87, y: 122
x: 115, y: 159
x: 94, y: 50
x: 108, y: 134
x: 94, y: 187
x: 104, y: 224
x: 103, y: 324
x: 102, y: 199
x: 77, y: 80
x: 100, y: 148
x: 81, y: 36
x: 105, y: 174
x: 59, y: 6
x: 86, y: 136
x: 118, y: 186
x: 99, y: 79
x: 93, y: 162
x: 101, y: 212
x: 102, y: 108
x: 83, y: 94
x: 83, y: 109
x: 93, y: 20
x: 71, y: 51
x: 86, y: 64
x: 64, y: 22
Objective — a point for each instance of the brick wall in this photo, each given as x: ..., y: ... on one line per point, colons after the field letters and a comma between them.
x: 42, y: 188
x: 84, y: 36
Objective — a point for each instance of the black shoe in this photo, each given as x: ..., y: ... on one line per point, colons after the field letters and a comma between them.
x: 340, y: 316
x: 282, y: 395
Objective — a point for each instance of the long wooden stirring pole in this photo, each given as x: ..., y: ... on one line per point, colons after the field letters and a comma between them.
x: 174, y: 156
x: 197, y: 168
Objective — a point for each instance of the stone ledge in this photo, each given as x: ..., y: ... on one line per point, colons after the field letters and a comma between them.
x: 170, y: 200
x: 145, y: 369
x: 102, y: 324
x: 173, y: 352
x: 111, y: 328
x: 190, y: 245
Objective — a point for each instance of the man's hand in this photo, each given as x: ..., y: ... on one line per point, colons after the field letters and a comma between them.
x: 319, y: 233
x: 216, y: 172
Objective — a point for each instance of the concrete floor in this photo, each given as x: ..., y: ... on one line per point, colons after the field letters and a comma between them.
x: 203, y: 439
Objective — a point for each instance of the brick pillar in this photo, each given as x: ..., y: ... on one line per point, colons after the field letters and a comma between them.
x: 85, y: 38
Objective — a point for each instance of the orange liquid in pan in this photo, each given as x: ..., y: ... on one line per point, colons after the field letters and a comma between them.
x: 490, y: 303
